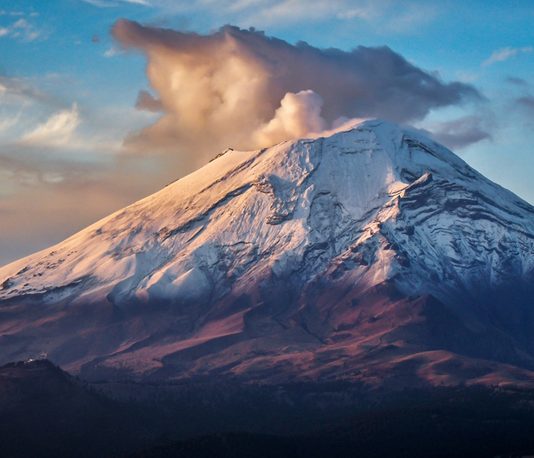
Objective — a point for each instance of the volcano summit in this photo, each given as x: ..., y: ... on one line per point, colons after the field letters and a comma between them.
x: 373, y: 255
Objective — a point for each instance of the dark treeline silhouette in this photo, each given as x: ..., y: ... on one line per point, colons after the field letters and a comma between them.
x: 45, y: 412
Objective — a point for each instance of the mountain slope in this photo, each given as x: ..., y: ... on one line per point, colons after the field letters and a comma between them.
x: 371, y: 254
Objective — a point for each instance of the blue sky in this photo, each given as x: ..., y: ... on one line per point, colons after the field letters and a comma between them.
x: 68, y: 92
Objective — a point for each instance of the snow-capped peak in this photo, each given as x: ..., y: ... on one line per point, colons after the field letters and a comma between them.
x: 252, y: 232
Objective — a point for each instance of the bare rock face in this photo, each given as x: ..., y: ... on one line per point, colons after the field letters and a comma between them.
x: 374, y: 254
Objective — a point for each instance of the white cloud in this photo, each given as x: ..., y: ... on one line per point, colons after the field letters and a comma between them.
x: 22, y: 30
x: 57, y: 130
x: 34, y: 119
x: 112, y: 52
x: 503, y: 54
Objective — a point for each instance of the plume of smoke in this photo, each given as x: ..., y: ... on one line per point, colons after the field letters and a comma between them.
x: 299, y: 115
x: 243, y: 89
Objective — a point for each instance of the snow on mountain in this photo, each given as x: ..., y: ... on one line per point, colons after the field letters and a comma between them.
x: 342, y: 257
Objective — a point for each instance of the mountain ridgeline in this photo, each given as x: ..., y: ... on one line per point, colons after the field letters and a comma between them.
x: 374, y: 255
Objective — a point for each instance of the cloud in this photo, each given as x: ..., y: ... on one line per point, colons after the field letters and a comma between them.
x: 524, y: 105
x: 411, y: 18
x: 400, y: 16
x: 17, y: 88
x: 56, y: 131
x: 60, y: 167
x: 43, y: 202
x: 146, y: 101
x: 115, y: 3
x: 48, y: 193
x: 462, y: 132
x: 34, y: 116
x: 11, y: 13
x: 22, y: 104
x: 526, y: 101
x: 467, y: 76
x: 22, y: 30
x: 289, y: 11
x: 504, y: 54
x: 236, y: 87
x: 8, y: 122
x: 299, y: 114
x: 112, y: 52
x: 517, y: 81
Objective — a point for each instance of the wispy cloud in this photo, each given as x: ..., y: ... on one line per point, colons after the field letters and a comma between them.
x: 526, y: 102
x: 21, y: 30
x: 463, y: 132
x: 466, y: 76
x: 34, y: 116
x: 11, y: 13
x: 115, y: 3
x: 287, y: 11
x: 411, y: 17
x: 12, y: 88
x: 61, y: 197
x: 516, y: 81
x: 57, y: 130
x: 503, y: 54
x: 8, y: 122
x: 402, y: 16
x: 112, y: 52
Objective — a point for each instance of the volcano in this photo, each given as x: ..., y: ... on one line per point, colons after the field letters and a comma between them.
x: 372, y: 255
